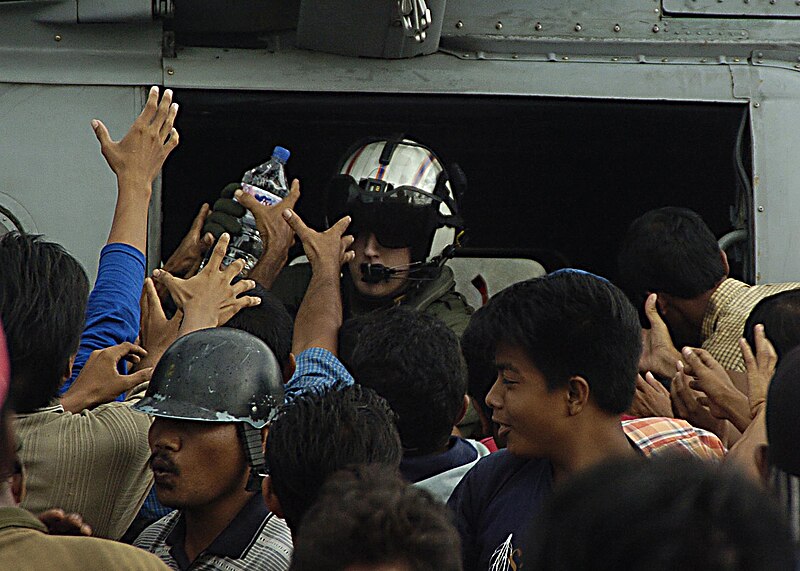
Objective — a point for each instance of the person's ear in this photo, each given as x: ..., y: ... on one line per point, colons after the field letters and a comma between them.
x: 289, y: 369
x: 725, y: 263
x: 462, y: 411
x: 577, y: 395
x: 761, y: 456
x: 68, y: 370
x: 272, y: 501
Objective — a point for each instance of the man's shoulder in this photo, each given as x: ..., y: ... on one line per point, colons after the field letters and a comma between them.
x: 56, y: 421
x: 28, y: 548
x: 493, y: 472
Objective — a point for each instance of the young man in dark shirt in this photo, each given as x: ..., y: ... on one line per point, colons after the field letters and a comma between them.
x: 566, y: 348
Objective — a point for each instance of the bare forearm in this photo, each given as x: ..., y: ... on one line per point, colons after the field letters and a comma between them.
x: 130, y: 214
x: 320, y: 314
x: 268, y: 268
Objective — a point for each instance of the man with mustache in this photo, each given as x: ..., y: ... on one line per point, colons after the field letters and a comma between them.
x: 212, y: 393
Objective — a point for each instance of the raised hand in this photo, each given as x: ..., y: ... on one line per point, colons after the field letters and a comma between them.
x: 687, y: 407
x: 722, y: 399
x: 651, y: 398
x: 100, y: 382
x: 208, y: 299
x: 320, y: 314
x: 275, y: 234
x: 137, y: 160
x: 187, y: 257
x: 323, y: 249
x: 760, y: 368
x: 659, y: 355
x: 156, y: 332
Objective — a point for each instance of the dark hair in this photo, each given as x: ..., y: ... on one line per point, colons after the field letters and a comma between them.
x: 317, y: 434
x: 660, y: 514
x: 367, y: 515
x: 269, y: 321
x: 349, y: 333
x: 783, y: 401
x: 668, y: 250
x: 43, y: 294
x: 413, y: 360
x: 478, y: 354
x: 570, y: 323
x: 780, y: 316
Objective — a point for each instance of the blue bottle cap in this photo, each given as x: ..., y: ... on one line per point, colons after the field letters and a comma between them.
x: 281, y: 154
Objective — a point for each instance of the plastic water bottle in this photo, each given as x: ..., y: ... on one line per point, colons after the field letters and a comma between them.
x: 267, y: 183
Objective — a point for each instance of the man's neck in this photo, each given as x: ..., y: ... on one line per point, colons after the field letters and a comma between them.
x: 204, y: 524
x: 603, y: 441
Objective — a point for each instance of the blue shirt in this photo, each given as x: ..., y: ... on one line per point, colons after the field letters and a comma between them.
x: 495, y: 503
x: 316, y: 370
x: 112, y: 313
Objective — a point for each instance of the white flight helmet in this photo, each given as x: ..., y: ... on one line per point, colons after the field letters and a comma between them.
x: 398, y: 189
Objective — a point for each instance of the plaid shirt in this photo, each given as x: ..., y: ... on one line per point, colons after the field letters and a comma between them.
x: 316, y: 370
x: 728, y: 309
x: 658, y: 435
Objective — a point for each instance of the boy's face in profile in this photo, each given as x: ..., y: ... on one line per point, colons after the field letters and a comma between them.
x: 527, y: 411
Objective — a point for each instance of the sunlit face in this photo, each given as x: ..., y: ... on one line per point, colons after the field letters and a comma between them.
x: 196, y: 463
x: 369, y: 251
x: 529, y: 415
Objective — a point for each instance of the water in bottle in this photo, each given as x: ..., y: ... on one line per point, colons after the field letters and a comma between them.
x: 267, y: 183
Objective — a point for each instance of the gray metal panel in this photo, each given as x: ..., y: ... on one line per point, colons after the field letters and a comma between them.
x: 733, y: 8
x: 115, y: 10
x: 293, y: 70
x: 776, y: 145
x: 51, y: 165
x: 33, y: 50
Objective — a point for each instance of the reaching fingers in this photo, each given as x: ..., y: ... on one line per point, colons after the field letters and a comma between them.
x: 169, y: 120
x: 747, y: 354
x: 162, y: 111
x: 233, y: 269
x: 128, y: 382
x: 200, y: 219
x: 172, y: 142
x: 243, y: 286
x: 704, y: 401
x: 693, y: 361
x: 101, y: 132
x: 247, y: 200
x: 170, y: 282
x: 293, y: 196
x: 340, y: 226
x: 651, y: 310
x: 153, y: 302
x: 765, y: 351
x: 245, y: 301
x: 150, y: 108
x: 296, y: 223
x: 655, y: 383
x: 218, y: 253
x: 118, y: 352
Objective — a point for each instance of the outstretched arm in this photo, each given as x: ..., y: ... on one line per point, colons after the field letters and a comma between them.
x: 320, y: 314
x: 112, y: 314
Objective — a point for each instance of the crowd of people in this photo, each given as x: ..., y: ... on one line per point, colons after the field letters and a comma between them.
x: 353, y: 412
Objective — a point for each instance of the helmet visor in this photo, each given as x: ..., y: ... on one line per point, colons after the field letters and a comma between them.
x: 399, y: 217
